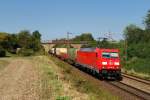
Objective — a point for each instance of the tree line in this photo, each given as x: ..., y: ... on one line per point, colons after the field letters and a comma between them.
x: 138, y: 46
x: 91, y: 42
x: 23, y: 43
x: 138, y: 39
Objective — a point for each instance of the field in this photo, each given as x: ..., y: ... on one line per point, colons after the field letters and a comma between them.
x: 45, y: 78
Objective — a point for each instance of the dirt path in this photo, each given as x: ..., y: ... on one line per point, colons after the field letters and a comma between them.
x: 19, y: 81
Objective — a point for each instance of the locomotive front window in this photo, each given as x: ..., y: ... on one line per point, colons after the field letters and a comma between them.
x: 114, y: 55
x: 105, y: 55
x: 110, y: 55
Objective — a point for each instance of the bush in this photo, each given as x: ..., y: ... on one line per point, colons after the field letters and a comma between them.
x: 139, y: 65
x: 2, y: 52
x: 25, y: 52
x: 41, y: 51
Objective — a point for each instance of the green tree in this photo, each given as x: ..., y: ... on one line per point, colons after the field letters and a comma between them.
x: 2, y: 52
x: 138, y: 46
x: 3, y: 36
x: 84, y: 37
x: 147, y: 20
x: 12, y: 43
x: 133, y: 34
x: 24, y: 39
x: 146, y: 36
x: 3, y: 39
x: 36, y: 40
x: 36, y: 34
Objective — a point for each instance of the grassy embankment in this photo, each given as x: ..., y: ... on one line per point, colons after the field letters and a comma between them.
x: 3, y: 63
x: 58, y: 81
x: 80, y: 83
x: 138, y: 67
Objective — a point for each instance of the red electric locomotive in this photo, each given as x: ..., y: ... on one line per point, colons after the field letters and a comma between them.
x: 104, y: 62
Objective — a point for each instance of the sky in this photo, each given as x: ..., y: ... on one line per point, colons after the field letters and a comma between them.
x: 54, y: 18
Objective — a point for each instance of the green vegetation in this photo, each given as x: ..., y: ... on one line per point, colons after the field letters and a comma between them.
x: 3, y: 37
x: 89, y: 41
x: 138, y: 47
x: 84, y: 37
x: 23, y: 43
x: 72, y: 53
x: 63, y: 98
x: 50, y: 84
x: 147, y: 21
x: 2, y: 52
x: 60, y: 45
x: 81, y: 83
x: 25, y: 52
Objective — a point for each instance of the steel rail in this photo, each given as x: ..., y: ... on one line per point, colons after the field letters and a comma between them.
x: 136, y: 78
x: 132, y: 90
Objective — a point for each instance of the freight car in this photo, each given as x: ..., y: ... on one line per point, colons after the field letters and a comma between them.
x: 104, y: 63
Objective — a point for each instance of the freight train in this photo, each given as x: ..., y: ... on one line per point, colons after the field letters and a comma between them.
x: 105, y: 63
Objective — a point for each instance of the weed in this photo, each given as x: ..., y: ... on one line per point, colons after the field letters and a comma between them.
x: 81, y: 84
x: 3, y: 63
x: 63, y: 98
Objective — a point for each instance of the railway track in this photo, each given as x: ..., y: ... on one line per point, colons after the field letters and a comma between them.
x: 140, y: 92
x: 136, y: 78
x: 134, y: 85
x: 138, y: 83
x: 132, y: 90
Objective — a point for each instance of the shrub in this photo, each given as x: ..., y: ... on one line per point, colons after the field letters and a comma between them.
x: 41, y: 51
x: 139, y: 65
x: 2, y: 52
x: 25, y: 52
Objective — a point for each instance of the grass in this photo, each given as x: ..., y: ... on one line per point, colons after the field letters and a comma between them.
x: 82, y: 84
x: 50, y: 87
x: 59, y: 81
x: 8, y: 54
x: 3, y: 63
x: 138, y: 67
x: 137, y: 74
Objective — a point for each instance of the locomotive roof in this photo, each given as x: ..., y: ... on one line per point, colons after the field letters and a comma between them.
x: 98, y: 49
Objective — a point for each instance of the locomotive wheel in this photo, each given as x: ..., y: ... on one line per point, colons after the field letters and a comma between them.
x: 119, y: 78
x: 99, y: 76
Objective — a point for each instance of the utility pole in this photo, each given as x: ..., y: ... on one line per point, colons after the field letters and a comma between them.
x: 109, y: 36
x: 99, y: 38
x: 126, y: 55
x: 68, y: 43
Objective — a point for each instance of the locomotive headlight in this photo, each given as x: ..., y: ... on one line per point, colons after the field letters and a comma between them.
x: 116, y: 63
x: 104, y: 63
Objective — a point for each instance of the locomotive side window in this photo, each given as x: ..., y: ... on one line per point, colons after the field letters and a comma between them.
x: 106, y: 55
